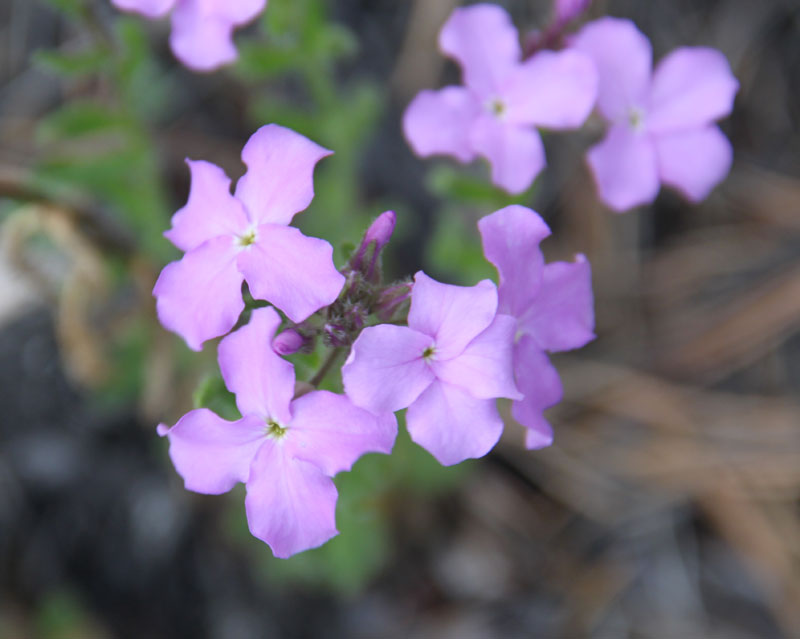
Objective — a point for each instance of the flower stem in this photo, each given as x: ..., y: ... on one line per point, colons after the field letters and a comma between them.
x: 326, y: 366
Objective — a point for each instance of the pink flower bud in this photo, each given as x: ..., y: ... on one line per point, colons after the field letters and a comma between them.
x: 377, y: 236
x: 288, y: 342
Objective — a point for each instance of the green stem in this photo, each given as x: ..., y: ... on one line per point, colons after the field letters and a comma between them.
x: 326, y: 366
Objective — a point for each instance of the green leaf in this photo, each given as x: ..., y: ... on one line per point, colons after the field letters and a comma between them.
x: 72, y: 8
x: 73, y: 63
x: 212, y: 394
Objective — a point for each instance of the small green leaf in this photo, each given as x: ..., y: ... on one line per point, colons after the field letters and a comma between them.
x: 212, y: 394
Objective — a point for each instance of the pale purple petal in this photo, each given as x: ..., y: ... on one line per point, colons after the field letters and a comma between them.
x: 211, y: 210
x: 294, y: 272
x: 438, y: 122
x: 555, y: 90
x: 692, y: 87
x: 562, y: 315
x: 329, y: 431
x: 625, y: 168
x: 511, y: 238
x: 624, y: 60
x: 694, y: 162
x: 262, y: 381
x: 290, y: 503
x: 515, y: 153
x: 538, y: 379
x: 452, y: 425
x: 212, y: 454
x: 385, y: 370
x: 201, y: 37
x: 148, y: 8
x: 452, y: 315
x: 484, y: 41
x: 200, y: 296
x: 485, y: 368
x: 280, y: 174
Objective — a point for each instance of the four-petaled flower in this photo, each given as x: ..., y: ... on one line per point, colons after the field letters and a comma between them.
x: 552, y: 305
x: 493, y: 115
x: 284, y: 450
x: 662, y: 122
x: 231, y: 238
x: 202, y: 30
x: 446, y: 366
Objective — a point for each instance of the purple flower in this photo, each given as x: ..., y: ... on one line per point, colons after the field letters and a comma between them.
x: 202, y: 30
x: 662, y: 123
x: 231, y: 238
x: 284, y: 450
x: 552, y: 306
x: 447, y: 367
x: 493, y: 115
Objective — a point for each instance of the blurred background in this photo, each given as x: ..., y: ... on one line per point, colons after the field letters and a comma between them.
x: 668, y: 505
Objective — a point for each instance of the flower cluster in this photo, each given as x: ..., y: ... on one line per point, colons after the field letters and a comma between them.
x: 202, y: 30
x: 662, y: 127
x: 445, y: 353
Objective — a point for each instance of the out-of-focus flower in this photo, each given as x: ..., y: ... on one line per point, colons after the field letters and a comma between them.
x: 662, y: 122
x: 552, y: 304
x: 232, y: 238
x: 202, y: 30
x: 284, y: 450
x: 446, y: 366
x: 503, y: 98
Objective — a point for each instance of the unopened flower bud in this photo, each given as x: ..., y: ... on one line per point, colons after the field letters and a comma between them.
x: 376, y: 237
x: 288, y: 342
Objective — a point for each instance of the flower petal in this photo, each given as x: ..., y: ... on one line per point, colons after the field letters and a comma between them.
x: 553, y: 89
x: 262, y: 381
x: 515, y: 153
x: 624, y: 59
x: 211, y: 210
x: 538, y: 379
x: 511, y: 238
x: 625, y: 169
x: 452, y: 425
x: 385, y: 370
x: 484, y: 41
x: 452, y: 315
x: 202, y: 31
x: 485, y: 368
x: 291, y: 271
x: 562, y: 316
x: 200, y: 296
x: 438, y: 123
x: 212, y: 454
x: 331, y: 432
x: 147, y: 8
x: 280, y: 174
x: 692, y: 87
x: 290, y: 503
x: 694, y: 162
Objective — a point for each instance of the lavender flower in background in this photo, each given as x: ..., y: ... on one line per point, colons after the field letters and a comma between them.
x: 662, y: 122
x: 232, y: 238
x: 285, y: 450
x: 202, y: 30
x: 446, y: 366
x: 551, y: 303
x: 503, y: 99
